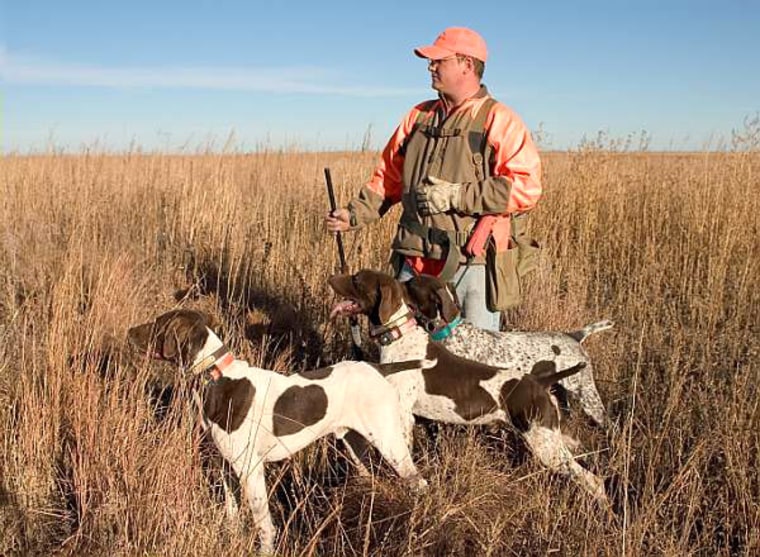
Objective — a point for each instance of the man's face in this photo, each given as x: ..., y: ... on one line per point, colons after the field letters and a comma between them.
x: 447, y: 73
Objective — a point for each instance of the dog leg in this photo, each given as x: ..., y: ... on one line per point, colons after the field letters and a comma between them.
x: 407, y: 422
x: 357, y: 447
x: 573, y: 445
x: 256, y: 493
x: 548, y: 446
x: 229, y: 483
x: 388, y: 438
x: 406, y: 398
x: 397, y: 454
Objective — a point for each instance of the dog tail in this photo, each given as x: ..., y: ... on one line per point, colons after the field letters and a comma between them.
x: 549, y: 380
x: 589, y: 330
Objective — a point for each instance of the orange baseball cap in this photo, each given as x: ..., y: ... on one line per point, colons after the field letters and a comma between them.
x: 455, y: 40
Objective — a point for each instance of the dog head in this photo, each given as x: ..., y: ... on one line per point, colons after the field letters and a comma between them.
x: 372, y: 293
x: 432, y: 298
x: 176, y: 336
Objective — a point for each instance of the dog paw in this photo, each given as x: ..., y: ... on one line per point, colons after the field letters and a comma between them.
x: 572, y: 443
x: 419, y: 484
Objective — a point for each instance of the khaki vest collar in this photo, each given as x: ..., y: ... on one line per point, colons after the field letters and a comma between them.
x: 468, y: 104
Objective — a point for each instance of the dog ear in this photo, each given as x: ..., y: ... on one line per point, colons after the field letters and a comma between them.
x: 390, y: 300
x: 183, y: 337
x: 197, y: 335
x: 447, y: 304
x: 170, y: 344
x: 209, y: 320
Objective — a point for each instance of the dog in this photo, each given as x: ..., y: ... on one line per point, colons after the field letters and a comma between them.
x: 452, y: 389
x: 255, y: 415
x: 438, y: 311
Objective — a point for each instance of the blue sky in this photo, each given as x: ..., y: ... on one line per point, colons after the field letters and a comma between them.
x: 318, y: 75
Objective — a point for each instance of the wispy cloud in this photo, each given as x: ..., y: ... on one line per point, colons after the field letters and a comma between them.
x: 21, y: 70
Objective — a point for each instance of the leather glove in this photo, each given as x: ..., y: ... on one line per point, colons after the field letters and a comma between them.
x: 437, y: 196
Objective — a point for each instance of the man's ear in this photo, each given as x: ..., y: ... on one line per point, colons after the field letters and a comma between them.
x: 469, y: 63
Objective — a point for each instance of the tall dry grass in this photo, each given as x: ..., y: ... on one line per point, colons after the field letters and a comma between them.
x: 100, y: 454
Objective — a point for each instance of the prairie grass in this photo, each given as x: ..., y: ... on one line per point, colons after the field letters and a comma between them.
x: 100, y: 453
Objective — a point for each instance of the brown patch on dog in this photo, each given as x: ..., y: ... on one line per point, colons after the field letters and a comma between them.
x: 526, y: 401
x: 459, y: 380
x: 316, y: 374
x: 544, y: 368
x: 297, y: 408
x: 555, y: 349
x: 226, y: 402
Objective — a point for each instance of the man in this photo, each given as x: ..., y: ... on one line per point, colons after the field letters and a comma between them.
x: 462, y: 166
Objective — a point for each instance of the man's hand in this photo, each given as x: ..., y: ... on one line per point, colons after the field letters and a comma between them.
x: 338, y: 220
x: 437, y: 196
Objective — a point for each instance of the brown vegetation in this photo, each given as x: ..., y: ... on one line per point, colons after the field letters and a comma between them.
x: 100, y: 454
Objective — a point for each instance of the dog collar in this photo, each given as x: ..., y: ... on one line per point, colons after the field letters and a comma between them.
x: 446, y: 330
x: 219, y: 359
x: 390, y: 332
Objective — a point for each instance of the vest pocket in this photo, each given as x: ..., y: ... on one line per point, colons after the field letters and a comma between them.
x: 528, y: 252
x: 503, y: 289
x: 505, y: 270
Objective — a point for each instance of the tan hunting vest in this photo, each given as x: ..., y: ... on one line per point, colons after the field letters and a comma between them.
x: 453, y: 149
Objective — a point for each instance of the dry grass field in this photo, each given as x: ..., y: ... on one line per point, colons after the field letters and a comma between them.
x: 100, y: 453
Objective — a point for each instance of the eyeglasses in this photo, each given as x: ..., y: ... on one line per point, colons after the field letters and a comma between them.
x: 438, y: 62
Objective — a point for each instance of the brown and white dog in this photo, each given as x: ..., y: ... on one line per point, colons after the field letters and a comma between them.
x: 452, y: 389
x: 257, y: 416
x: 437, y: 309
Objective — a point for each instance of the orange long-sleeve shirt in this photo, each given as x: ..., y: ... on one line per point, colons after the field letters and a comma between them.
x: 515, y: 156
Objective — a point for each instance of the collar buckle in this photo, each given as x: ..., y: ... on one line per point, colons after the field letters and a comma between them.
x: 445, y: 331
x: 387, y: 334
x: 219, y: 358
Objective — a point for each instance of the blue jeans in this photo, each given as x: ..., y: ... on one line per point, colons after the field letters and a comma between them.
x: 471, y: 290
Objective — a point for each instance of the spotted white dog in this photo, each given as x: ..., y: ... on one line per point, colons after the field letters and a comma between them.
x: 436, y: 307
x: 452, y: 389
x: 257, y: 416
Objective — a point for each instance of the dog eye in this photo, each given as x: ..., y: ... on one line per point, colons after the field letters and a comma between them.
x: 355, y: 282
